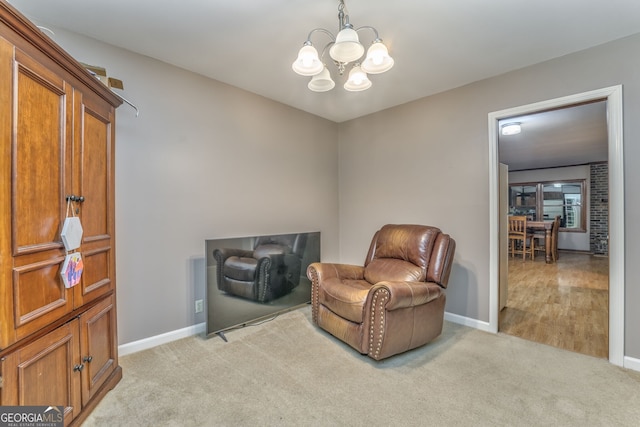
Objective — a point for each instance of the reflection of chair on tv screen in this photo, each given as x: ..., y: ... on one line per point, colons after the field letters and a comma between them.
x: 269, y: 271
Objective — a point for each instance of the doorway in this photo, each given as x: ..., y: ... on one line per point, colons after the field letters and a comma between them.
x: 613, y: 96
x: 556, y: 166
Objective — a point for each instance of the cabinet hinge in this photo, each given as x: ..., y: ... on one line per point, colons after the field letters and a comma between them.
x: 0, y: 381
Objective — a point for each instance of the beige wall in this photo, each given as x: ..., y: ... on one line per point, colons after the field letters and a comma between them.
x: 197, y: 163
x: 203, y: 160
x: 427, y: 161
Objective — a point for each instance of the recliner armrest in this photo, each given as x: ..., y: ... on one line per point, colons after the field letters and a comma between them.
x: 408, y: 294
x: 323, y: 271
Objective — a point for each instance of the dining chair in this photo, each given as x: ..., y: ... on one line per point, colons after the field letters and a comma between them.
x: 554, y: 238
x: 520, y: 241
x: 540, y: 237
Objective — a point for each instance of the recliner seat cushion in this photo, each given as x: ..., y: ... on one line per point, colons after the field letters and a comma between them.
x: 240, y: 268
x: 345, y: 298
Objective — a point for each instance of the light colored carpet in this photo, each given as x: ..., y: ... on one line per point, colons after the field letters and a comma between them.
x: 287, y: 372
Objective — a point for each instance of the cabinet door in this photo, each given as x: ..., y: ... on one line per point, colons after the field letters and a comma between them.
x: 45, y: 372
x: 98, y: 346
x: 41, y: 152
x: 7, y: 332
x: 93, y: 180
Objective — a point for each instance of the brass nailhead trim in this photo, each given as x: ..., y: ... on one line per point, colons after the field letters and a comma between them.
x: 314, y: 295
x: 379, y: 300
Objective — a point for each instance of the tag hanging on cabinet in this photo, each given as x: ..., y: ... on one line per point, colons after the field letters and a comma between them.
x: 71, y: 233
x: 72, y: 268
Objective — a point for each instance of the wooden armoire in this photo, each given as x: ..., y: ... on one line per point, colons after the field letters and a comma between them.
x: 58, y: 345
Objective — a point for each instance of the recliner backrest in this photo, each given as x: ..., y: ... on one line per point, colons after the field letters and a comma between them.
x: 400, y: 252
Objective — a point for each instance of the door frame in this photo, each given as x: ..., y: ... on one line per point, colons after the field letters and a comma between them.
x: 613, y: 96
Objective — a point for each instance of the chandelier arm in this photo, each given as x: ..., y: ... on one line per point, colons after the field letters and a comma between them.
x: 368, y: 27
x: 341, y: 66
x: 321, y: 30
x: 327, y: 46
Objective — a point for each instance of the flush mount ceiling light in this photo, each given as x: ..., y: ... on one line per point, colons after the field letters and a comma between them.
x: 345, y: 48
x: 511, y: 128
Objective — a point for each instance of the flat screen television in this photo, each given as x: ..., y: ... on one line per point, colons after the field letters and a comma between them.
x: 250, y: 279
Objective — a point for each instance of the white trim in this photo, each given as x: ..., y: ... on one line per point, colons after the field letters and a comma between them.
x: 616, y: 228
x: 631, y: 363
x: 613, y: 96
x: 467, y: 321
x: 147, y: 343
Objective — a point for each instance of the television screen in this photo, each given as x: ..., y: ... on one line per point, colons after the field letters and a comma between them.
x: 250, y: 279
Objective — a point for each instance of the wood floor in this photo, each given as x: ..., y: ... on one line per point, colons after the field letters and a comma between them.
x: 565, y: 304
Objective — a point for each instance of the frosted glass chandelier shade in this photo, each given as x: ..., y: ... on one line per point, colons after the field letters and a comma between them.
x: 321, y: 82
x: 378, y: 59
x: 358, y: 80
x: 307, y: 63
x: 347, y: 47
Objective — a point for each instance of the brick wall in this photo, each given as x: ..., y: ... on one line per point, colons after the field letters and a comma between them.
x: 599, y: 208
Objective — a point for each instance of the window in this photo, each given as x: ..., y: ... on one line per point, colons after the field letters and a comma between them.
x: 545, y: 200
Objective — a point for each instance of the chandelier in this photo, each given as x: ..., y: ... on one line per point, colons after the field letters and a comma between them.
x: 345, y: 48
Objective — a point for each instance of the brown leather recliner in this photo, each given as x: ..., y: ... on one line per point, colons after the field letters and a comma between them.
x: 395, y: 302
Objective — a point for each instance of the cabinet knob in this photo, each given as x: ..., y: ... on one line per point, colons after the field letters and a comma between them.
x: 78, y: 368
x: 87, y: 359
x: 74, y: 198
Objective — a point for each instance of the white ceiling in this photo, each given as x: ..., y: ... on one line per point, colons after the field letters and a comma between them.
x: 569, y: 136
x: 437, y: 44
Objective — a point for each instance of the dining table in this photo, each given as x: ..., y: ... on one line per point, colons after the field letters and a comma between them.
x: 547, y: 226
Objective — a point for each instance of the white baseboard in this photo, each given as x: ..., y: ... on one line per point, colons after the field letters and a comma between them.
x: 631, y: 363
x: 146, y: 343
x: 467, y: 321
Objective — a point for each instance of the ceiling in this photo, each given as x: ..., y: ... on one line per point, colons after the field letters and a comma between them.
x: 574, y: 135
x: 437, y: 44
